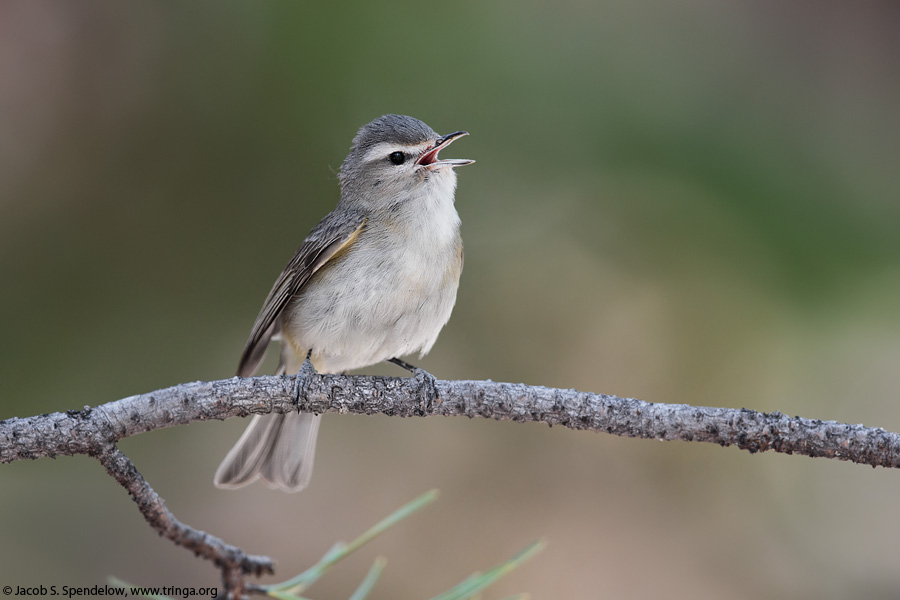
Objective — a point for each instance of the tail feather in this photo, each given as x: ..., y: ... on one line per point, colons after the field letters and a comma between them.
x: 280, y: 448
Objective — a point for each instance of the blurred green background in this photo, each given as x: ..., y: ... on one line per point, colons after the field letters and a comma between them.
x: 692, y: 202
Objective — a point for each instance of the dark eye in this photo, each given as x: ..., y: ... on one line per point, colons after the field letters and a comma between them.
x: 398, y: 158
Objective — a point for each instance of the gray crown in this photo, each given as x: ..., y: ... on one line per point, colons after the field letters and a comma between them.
x: 393, y: 128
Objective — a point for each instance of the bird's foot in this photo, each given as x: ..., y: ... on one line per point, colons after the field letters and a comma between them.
x: 301, y: 379
x: 426, y: 383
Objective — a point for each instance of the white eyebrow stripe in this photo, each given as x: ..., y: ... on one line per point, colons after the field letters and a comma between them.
x: 382, y: 149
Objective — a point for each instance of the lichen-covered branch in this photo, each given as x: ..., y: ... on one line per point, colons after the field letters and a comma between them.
x: 84, y: 431
x: 95, y: 431
x: 232, y: 561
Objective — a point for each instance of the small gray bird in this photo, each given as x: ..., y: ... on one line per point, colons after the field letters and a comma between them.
x: 376, y: 279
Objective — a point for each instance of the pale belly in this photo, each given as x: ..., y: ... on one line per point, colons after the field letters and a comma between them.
x: 370, y: 306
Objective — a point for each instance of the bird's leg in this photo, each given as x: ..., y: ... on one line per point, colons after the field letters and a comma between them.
x: 301, y: 379
x: 403, y: 365
x: 424, y: 379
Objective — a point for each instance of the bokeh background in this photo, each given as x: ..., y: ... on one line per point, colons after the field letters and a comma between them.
x: 692, y: 202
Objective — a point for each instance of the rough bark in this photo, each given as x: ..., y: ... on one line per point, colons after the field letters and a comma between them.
x: 95, y: 431
x: 84, y: 431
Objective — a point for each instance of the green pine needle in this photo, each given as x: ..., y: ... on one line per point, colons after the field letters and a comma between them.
x: 478, y: 581
x: 302, y: 581
x: 369, y: 582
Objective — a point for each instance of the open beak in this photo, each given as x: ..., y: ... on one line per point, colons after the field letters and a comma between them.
x: 429, y: 158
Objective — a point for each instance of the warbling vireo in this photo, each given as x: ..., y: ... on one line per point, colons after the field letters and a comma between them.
x: 375, y: 280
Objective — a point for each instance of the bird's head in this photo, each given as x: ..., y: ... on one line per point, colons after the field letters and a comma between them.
x: 394, y: 158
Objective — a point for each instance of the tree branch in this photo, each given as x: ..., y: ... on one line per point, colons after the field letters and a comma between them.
x: 85, y: 431
x: 232, y: 561
x: 94, y: 431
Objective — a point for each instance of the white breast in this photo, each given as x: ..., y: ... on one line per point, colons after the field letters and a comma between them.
x: 390, y: 293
